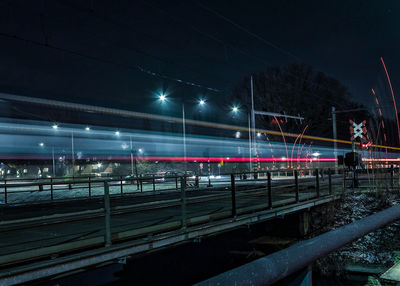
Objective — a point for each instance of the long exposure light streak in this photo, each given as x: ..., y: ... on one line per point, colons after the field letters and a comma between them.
x: 394, y: 100
x: 125, y: 113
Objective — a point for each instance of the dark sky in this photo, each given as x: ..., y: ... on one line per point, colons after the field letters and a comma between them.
x: 120, y: 53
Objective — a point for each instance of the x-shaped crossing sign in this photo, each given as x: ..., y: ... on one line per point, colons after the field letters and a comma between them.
x: 358, y: 130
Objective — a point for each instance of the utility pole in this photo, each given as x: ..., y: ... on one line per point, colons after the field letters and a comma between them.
x: 248, y: 120
x: 253, y: 120
x: 334, y: 135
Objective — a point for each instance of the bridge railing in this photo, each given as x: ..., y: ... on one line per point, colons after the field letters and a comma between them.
x: 181, y: 210
x: 26, y: 191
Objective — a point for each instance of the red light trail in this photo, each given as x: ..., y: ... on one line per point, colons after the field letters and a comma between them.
x: 394, y: 101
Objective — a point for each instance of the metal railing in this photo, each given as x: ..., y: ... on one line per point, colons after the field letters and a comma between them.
x: 26, y: 191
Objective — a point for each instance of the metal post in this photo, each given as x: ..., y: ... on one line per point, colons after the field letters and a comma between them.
x: 122, y: 192
x: 296, y: 180
x: 183, y: 201
x: 391, y: 177
x: 107, y: 237
x: 176, y: 182
x: 330, y: 180
x: 54, y: 162
x: 72, y: 153
x: 253, y: 119
x: 184, y: 137
x: 90, y: 188
x: 5, y: 191
x: 51, y: 188
x: 154, y: 184
x: 141, y: 185
x: 344, y: 180
x: 233, y: 195
x: 317, y: 182
x: 334, y: 135
x: 250, y: 152
x: 269, y: 186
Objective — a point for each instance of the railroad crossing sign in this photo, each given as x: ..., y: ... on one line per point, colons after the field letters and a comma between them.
x: 358, y: 130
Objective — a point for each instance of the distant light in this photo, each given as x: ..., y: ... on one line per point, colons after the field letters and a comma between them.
x: 235, y: 109
x: 41, y: 144
x: 202, y: 102
x: 55, y: 126
x: 258, y: 134
x: 237, y: 134
x: 227, y: 158
x: 162, y: 97
x: 316, y: 154
x: 99, y: 165
x: 124, y: 146
x: 87, y: 128
x: 283, y: 158
x: 117, y: 133
x: 140, y: 150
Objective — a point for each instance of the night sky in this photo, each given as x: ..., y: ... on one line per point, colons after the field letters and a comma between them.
x: 121, y: 53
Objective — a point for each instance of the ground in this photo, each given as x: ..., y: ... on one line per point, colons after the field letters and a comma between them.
x: 375, y: 248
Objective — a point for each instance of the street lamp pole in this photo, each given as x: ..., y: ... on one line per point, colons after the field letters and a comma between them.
x: 184, y: 134
x: 54, y: 163
x: 72, y: 153
x: 253, y: 120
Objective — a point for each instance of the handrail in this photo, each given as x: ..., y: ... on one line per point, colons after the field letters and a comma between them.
x: 274, y: 267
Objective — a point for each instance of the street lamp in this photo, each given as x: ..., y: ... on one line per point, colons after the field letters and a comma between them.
x: 87, y: 128
x: 235, y: 109
x: 117, y: 133
x: 162, y: 97
x: 41, y: 144
x: 55, y: 126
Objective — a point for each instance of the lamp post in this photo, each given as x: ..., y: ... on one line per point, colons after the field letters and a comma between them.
x: 163, y: 98
x: 235, y: 110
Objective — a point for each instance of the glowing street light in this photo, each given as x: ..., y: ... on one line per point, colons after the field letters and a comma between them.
x: 237, y: 134
x: 316, y: 154
x: 235, y: 109
x: 162, y: 97
x: 41, y: 144
x: 202, y: 102
x: 117, y: 133
x: 87, y: 128
x: 258, y: 134
x: 55, y: 126
x: 140, y: 150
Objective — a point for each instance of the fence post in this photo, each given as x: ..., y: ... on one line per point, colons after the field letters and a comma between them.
x: 296, y: 180
x: 107, y: 236
x: 233, y: 195
x: 122, y: 192
x: 269, y: 187
x: 183, y: 201
x: 330, y: 180
x: 176, y: 182
x: 391, y: 177
x: 90, y: 188
x: 344, y: 180
x: 317, y: 182
x: 154, y: 184
x: 141, y: 185
x: 51, y: 188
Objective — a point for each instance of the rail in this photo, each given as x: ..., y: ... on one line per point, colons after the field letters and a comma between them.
x: 274, y: 267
